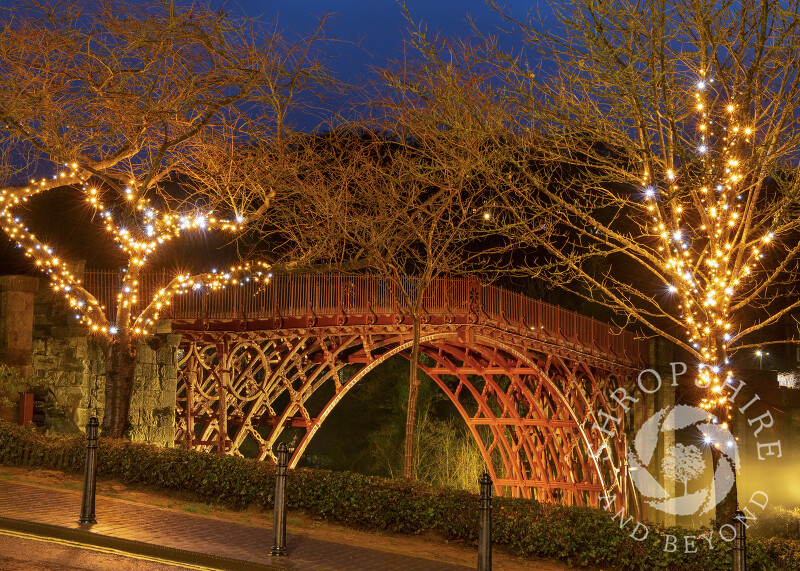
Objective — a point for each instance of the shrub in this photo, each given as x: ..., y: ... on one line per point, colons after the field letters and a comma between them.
x: 777, y: 521
x: 11, y: 384
x: 579, y: 536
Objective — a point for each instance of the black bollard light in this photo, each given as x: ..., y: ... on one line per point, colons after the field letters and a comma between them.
x: 740, y: 543
x: 90, y: 472
x: 279, y: 512
x: 485, y: 525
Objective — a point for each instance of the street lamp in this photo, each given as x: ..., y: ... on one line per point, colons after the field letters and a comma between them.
x: 761, y: 354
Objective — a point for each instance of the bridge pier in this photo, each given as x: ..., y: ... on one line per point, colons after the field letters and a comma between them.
x: 152, y: 412
x: 662, y: 354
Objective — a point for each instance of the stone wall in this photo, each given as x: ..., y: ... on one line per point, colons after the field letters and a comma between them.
x: 16, y: 307
x: 69, y: 364
x: 152, y: 415
x: 71, y: 367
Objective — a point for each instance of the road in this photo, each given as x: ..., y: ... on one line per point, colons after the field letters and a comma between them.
x: 25, y: 552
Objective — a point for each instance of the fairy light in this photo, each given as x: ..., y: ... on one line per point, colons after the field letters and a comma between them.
x: 43, y: 256
x: 249, y: 272
x: 706, y: 259
x: 137, y: 238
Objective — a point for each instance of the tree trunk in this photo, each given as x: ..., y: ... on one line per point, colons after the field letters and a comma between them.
x: 726, y: 506
x: 411, y: 411
x: 120, y: 369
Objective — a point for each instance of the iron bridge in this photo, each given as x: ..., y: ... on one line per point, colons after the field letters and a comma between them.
x: 529, y: 379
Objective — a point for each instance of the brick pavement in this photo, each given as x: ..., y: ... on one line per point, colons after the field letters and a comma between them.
x: 183, y: 537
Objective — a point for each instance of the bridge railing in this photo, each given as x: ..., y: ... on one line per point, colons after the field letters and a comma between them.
x: 340, y: 295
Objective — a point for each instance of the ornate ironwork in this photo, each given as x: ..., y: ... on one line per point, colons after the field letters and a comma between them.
x: 530, y: 380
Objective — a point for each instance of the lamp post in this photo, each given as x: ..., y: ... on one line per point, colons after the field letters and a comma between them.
x: 485, y: 525
x: 740, y: 543
x: 90, y: 472
x: 279, y: 511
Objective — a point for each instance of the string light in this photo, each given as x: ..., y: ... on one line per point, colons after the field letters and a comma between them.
x: 138, y: 239
x: 237, y: 275
x: 707, y: 259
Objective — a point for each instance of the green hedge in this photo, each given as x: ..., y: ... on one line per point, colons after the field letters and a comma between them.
x: 580, y: 536
x: 777, y: 521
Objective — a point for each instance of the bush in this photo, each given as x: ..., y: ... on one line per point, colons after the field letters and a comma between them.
x: 579, y: 536
x: 777, y: 521
x: 11, y: 384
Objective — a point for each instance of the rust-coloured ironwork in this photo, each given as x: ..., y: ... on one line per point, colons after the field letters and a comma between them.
x: 530, y: 379
x: 25, y: 415
x: 318, y: 299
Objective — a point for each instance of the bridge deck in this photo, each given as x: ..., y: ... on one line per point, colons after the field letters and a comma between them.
x: 316, y: 299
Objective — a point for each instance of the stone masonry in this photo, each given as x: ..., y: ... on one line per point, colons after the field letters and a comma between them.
x: 16, y: 307
x: 37, y: 332
x: 152, y: 414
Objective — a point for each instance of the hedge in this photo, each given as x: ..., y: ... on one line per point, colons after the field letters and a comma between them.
x: 578, y: 536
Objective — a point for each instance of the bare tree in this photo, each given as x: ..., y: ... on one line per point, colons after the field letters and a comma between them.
x: 439, y: 105
x: 660, y: 138
x: 404, y: 189
x: 378, y: 199
x: 123, y: 103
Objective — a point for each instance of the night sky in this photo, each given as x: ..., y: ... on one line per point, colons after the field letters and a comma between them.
x: 369, y: 32
x: 378, y: 26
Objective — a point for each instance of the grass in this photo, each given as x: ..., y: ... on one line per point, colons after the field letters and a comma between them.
x: 197, y: 508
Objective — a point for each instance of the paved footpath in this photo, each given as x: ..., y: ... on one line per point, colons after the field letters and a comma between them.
x: 185, y: 538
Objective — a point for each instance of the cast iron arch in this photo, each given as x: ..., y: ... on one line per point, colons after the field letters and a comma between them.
x: 537, y: 429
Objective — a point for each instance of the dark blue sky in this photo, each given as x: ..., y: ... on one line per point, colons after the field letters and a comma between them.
x: 378, y: 26
x: 371, y: 32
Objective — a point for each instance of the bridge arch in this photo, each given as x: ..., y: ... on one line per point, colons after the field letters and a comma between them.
x: 531, y: 379
x: 522, y: 456
x: 529, y: 409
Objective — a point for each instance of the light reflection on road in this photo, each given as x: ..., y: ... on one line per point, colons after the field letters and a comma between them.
x: 26, y: 552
